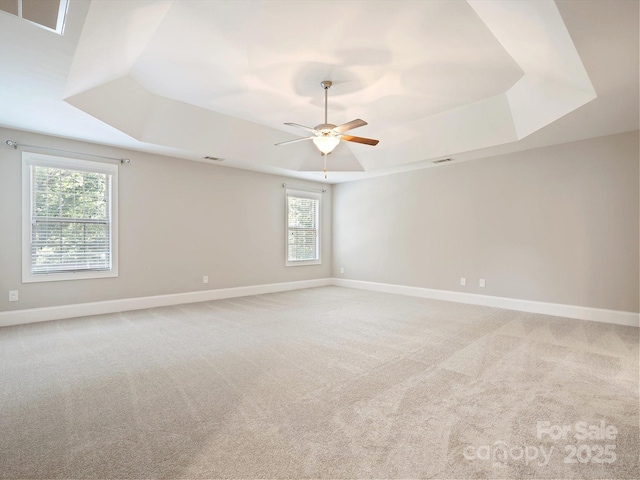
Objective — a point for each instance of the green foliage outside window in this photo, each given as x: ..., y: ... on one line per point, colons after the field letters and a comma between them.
x: 303, y: 228
x: 70, y: 220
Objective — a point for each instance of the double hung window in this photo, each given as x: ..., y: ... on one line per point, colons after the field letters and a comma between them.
x: 303, y: 231
x: 69, y: 214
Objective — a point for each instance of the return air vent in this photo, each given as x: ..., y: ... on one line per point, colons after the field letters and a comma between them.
x: 443, y: 160
x: 48, y: 14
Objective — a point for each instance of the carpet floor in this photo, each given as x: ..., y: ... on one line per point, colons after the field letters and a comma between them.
x: 319, y: 383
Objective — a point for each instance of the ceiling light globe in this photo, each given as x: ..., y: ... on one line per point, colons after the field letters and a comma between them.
x: 326, y: 143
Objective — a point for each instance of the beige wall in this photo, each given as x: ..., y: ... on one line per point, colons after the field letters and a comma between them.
x: 557, y: 224
x: 179, y: 220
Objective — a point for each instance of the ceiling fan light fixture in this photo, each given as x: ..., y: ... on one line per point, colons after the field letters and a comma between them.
x: 327, y: 136
x: 326, y: 143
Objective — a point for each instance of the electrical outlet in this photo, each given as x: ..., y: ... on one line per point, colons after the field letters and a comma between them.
x: 463, y: 281
x: 13, y: 295
x: 205, y: 279
x: 341, y: 270
x: 482, y: 283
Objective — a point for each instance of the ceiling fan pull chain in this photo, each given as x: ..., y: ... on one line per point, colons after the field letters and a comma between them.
x: 325, y: 165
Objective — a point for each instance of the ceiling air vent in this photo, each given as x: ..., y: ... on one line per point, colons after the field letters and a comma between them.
x: 443, y: 160
x: 48, y: 14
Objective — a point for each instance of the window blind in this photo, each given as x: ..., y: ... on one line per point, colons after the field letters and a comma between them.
x: 302, y: 231
x: 70, y: 220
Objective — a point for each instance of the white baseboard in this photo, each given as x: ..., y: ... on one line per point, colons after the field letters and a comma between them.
x: 571, y: 311
x: 32, y: 315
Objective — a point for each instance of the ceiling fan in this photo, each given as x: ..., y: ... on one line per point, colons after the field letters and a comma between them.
x: 327, y: 136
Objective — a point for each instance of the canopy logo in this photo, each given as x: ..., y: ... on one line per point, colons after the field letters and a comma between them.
x: 500, y: 453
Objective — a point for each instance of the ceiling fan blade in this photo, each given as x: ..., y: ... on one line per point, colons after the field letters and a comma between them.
x: 366, y: 141
x: 308, y: 129
x: 295, y: 140
x: 350, y: 125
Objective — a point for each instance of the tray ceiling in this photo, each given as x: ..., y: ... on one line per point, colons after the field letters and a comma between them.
x: 220, y: 78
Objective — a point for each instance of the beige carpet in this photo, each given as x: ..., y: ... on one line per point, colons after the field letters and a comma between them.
x: 319, y: 383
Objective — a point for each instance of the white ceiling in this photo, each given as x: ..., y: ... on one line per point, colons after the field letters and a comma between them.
x: 434, y: 79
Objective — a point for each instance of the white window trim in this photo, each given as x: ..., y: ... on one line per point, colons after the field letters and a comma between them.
x: 303, y: 194
x: 37, y: 159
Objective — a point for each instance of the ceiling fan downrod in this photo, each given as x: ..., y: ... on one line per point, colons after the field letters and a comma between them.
x: 326, y: 84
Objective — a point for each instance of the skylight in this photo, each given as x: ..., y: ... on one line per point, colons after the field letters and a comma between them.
x: 48, y: 14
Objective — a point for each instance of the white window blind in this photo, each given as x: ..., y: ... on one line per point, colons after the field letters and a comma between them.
x: 303, y: 239
x: 71, y: 221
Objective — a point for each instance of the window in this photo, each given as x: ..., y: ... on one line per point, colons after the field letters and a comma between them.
x: 69, y: 219
x: 303, y: 233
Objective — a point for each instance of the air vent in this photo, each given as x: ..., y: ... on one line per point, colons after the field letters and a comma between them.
x: 214, y: 159
x: 48, y: 14
x: 443, y: 160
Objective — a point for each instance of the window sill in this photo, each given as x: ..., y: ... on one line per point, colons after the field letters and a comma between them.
x: 302, y: 263
x: 59, y: 277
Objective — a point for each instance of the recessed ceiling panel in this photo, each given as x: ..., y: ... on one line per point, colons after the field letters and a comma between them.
x: 226, y: 56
